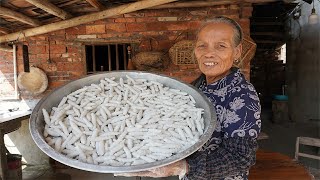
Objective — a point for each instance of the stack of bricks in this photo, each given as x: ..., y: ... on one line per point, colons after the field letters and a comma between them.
x: 61, y: 54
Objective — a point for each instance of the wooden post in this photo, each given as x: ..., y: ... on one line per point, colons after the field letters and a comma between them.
x: 127, y: 8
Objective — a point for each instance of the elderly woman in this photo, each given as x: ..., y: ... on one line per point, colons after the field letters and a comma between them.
x: 231, y: 150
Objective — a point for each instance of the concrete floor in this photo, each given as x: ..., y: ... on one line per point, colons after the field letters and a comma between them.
x: 282, y: 139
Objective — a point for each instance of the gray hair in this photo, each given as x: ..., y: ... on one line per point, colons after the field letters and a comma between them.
x: 237, y: 38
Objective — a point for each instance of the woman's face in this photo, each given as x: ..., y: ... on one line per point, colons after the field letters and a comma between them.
x: 215, y: 51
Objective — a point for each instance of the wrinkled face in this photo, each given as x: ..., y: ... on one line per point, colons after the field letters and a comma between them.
x: 215, y: 51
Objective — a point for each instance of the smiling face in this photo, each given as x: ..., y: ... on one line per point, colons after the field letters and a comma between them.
x: 216, y: 51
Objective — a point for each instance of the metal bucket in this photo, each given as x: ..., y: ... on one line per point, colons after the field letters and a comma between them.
x: 53, y: 99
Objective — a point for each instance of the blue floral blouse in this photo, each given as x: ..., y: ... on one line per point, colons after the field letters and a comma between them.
x: 230, y: 152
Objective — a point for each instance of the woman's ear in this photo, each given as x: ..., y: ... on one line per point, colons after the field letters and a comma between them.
x: 238, y: 52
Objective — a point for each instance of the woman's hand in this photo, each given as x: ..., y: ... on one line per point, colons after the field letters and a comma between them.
x: 179, y: 168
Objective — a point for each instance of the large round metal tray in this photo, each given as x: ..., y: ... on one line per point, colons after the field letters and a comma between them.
x: 53, y: 99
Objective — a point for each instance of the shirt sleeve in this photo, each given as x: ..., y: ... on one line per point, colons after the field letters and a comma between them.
x: 240, y: 126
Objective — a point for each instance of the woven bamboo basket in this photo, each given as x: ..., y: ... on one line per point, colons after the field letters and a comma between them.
x: 181, y: 53
x: 149, y: 61
x: 248, y: 51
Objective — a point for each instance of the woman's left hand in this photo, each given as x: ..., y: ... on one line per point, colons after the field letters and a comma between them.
x: 179, y: 168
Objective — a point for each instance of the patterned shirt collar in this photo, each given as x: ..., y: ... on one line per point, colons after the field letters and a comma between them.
x: 235, y: 73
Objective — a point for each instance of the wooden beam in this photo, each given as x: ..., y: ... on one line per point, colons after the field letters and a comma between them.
x: 4, y: 30
x: 127, y: 8
x: 50, y: 8
x: 207, y: 3
x: 96, y: 4
x: 18, y: 16
x: 191, y: 4
x: 6, y: 48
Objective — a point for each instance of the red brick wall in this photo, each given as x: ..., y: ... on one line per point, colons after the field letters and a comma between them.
x: 6, y: 74
x: 61, y: 53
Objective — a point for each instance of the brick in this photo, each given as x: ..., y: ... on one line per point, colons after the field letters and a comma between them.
x: 102, y: 21
x: 136, y: 27
x: 233, y: 6
x: 134, y: 15
x: 37, y: 49
x: 71, y: 37
x: 246, y: 12
x: 93, y: 36
x: 199, y: 13
x: 149, y: 34
x: 157, y: 26
x: 63, y: 66
x: 167, y: 18
x: 43, y: 56
x: 147, y: 19
x: 56, y: 84
x: 41, y: 42
x: 223, y: 12
x: 65, y: 55
x: 71, y: 49
x: 78, y: 74
x: 52, y: 42
x: 60, y: 42
x: 217, y: 7
x: 58, y: 49
x: 122, y: 20
x: 95, y: 29
x: 49, y: 67
x: 6, y: 68
x: 77, y: 66
x: 55, y: 56
x: 37, y: 38
x: 76, y: 30
x: 178, y: 26
x: 115, y: 27
x: 245, y: 24
x: 57, y: 37
x: 234, y: 16
x: 33, y: 58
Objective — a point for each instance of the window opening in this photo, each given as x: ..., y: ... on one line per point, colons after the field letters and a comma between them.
x: 108, y: 57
